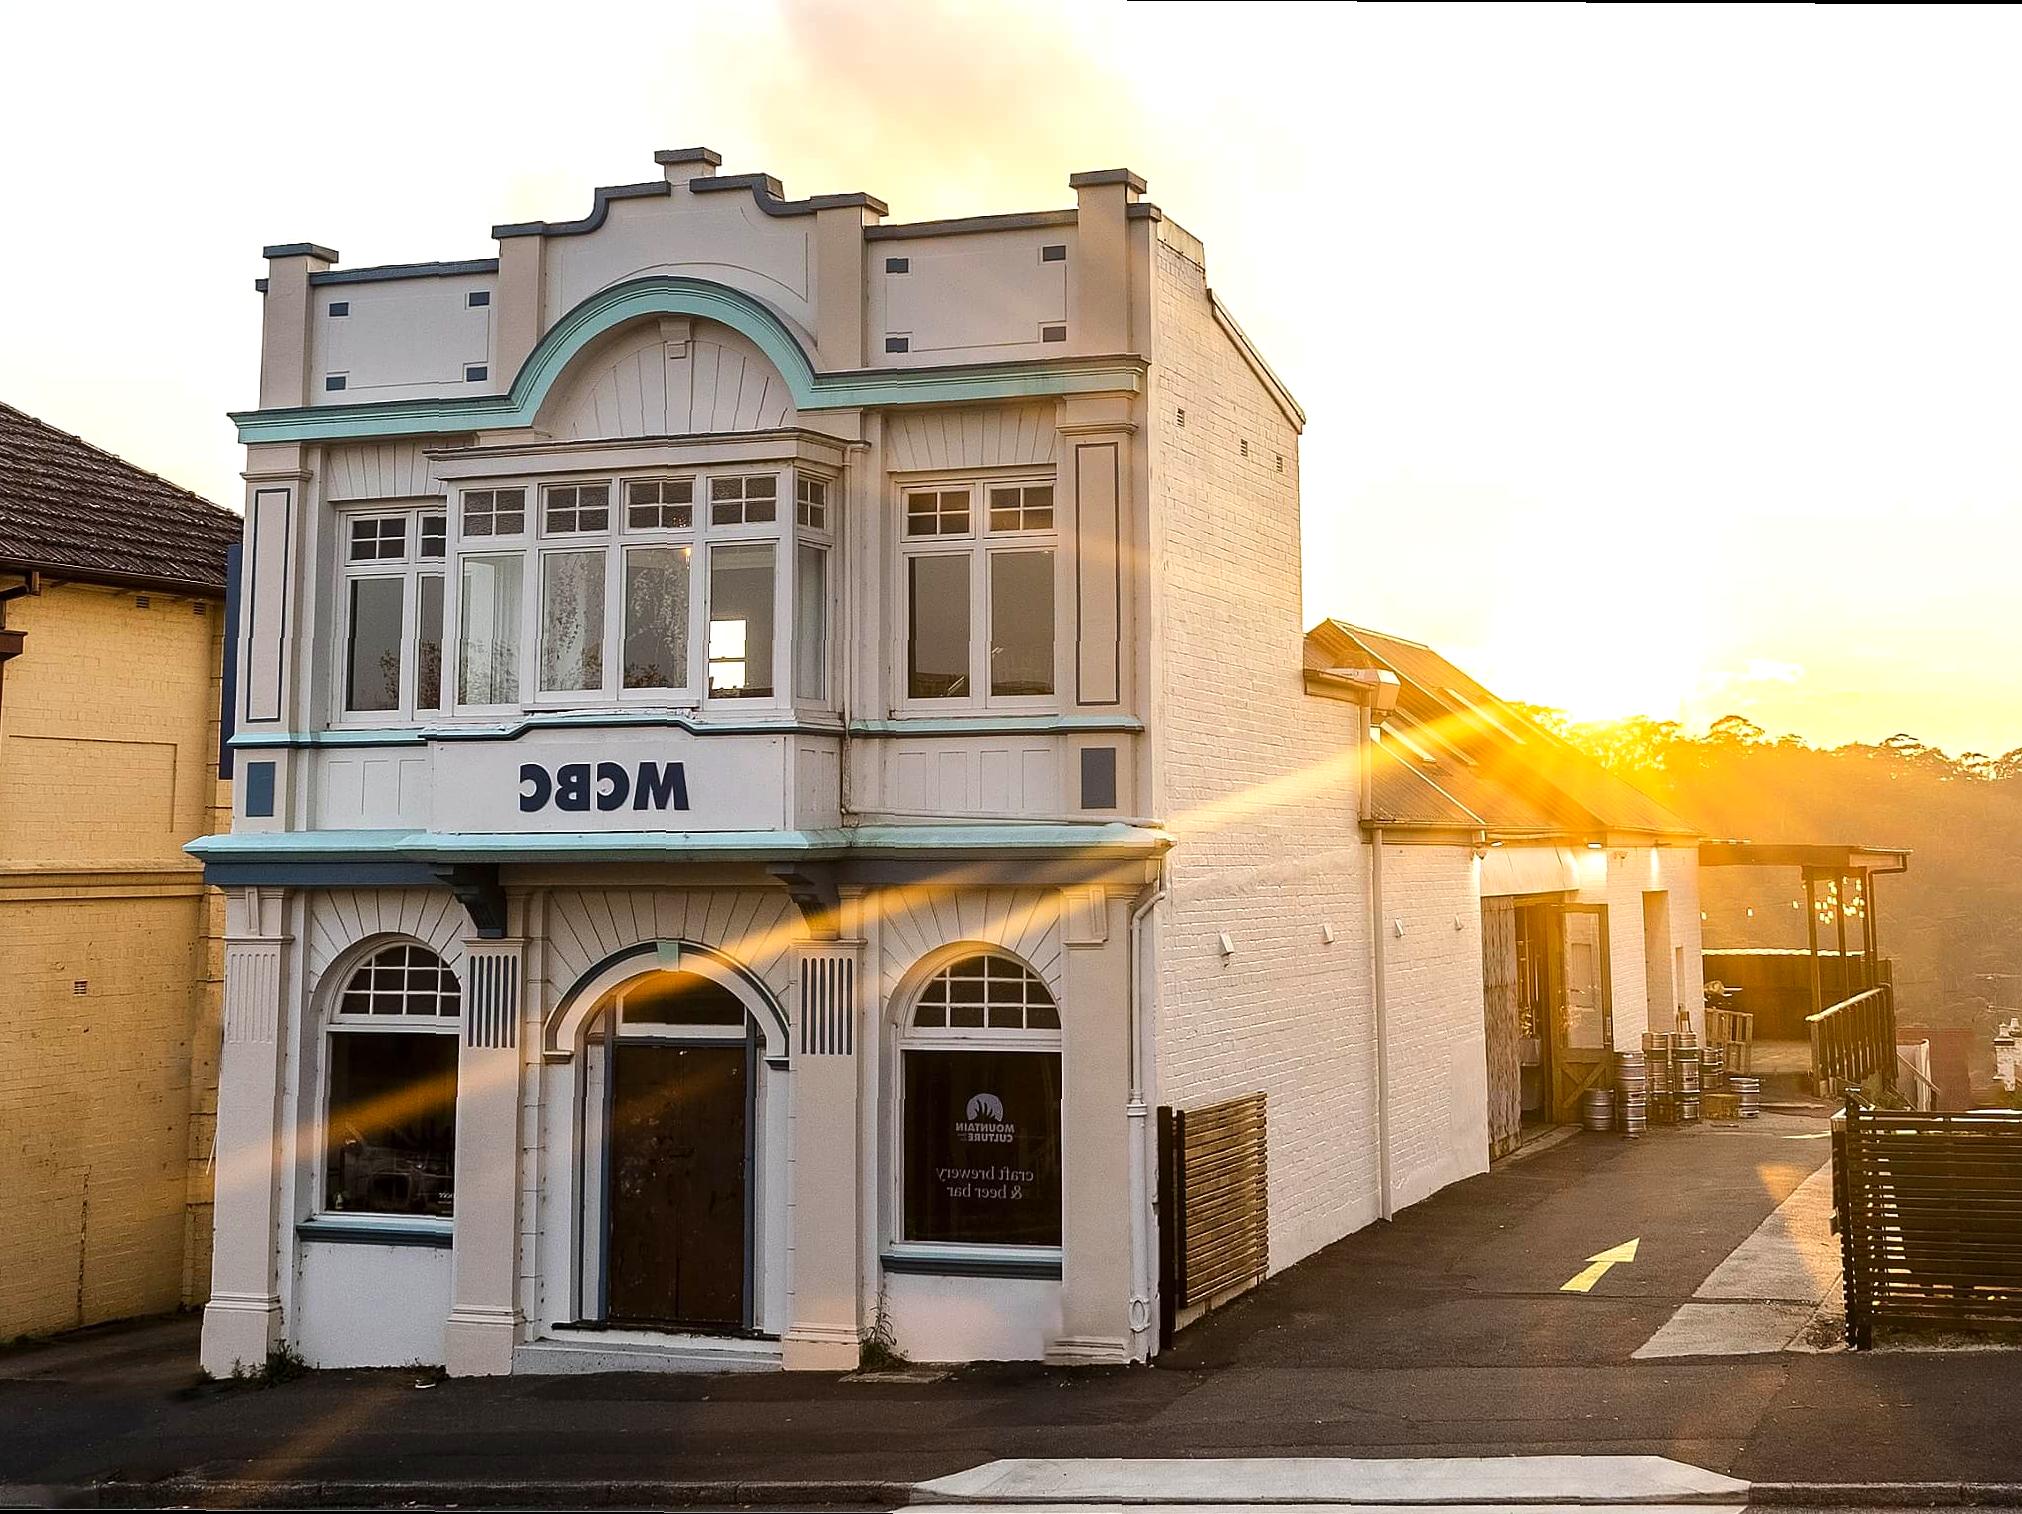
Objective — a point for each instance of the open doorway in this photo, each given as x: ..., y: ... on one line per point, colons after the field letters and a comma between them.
x: 1548, y: 1012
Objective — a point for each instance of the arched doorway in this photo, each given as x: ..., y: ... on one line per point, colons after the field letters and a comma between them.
x: 673, y: 1067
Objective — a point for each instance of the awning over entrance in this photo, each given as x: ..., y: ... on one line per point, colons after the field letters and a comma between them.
x: 1529, y: 870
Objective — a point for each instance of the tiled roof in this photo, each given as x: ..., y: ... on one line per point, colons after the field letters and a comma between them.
x: 67, y: 507
x: 1477, y: 752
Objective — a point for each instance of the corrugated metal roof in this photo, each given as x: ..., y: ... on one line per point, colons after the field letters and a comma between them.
x: 1484, y: 756
x: 69, y: 507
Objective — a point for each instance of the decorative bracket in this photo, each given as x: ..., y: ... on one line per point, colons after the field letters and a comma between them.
x: 812, y: 887
x: 478, y: 890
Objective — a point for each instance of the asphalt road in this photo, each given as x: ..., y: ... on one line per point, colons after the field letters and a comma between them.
x: 1443, y: 1334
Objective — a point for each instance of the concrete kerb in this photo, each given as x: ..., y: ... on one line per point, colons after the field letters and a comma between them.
x: 857, y: 1495
x: 316, y: 1494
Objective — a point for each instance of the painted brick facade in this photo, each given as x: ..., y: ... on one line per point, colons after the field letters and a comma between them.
x: 1259, y: 784
x: 108, y: 751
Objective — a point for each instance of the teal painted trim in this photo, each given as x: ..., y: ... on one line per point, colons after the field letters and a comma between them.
x: 1111, y: 838
x: 608, y: 720
x: 669, y: 295
x: 999, y: 725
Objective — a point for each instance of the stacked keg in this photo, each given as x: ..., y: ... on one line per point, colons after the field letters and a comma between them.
x: 1685, y: 1058
x: 1748, y: 1094
x: 1663, y: 1078
x: 1632, y: 1093
x: 1597, y: 1109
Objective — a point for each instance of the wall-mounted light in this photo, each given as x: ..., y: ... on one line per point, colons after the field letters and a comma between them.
x: 1226, y: 943
x: 1459, y: 922
x: 1397, y: 925
x: 1326, y: 934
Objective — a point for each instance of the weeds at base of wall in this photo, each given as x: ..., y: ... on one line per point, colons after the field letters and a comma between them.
x: 283, y: 1365
x: 879, y: 1349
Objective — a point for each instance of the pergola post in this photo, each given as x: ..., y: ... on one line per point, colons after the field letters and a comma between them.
x: 1811, y: 935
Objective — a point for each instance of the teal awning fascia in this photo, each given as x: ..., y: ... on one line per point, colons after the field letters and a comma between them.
x: 439, y: 848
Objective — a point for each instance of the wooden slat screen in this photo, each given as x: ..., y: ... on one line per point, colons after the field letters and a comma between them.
x: 1929, y: 1210
x: 1214, y: 1200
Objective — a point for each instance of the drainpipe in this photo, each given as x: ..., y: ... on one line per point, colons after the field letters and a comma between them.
x: 1379, y: 989
x: 1138, y: 1129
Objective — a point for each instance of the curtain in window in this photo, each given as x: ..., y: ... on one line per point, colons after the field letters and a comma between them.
x: 572, y: 621
x: 488, y: 661
x: 656, y: 617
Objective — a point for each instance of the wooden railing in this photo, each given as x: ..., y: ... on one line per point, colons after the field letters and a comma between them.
x: 1854, y: 1040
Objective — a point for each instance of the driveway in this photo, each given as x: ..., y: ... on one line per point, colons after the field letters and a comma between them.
x: 1446, y: 1333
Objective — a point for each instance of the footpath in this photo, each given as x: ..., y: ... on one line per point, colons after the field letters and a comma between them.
x: 1430, y: 1354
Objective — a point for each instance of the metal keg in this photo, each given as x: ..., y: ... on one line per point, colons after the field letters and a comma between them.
x: 1713, y: 1067
x: 1597, y: 1109
x: 1688, y: 1070
x: 1660, y: 1079
x: 1748, y: 1090
x: 1656, y: 1043
x: 1633, y: 1118
x: 1688, y: 1109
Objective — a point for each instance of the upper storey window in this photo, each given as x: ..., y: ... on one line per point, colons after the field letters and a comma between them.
x: 392, y: 604
x: 621, y: 590
x: 979, y: 569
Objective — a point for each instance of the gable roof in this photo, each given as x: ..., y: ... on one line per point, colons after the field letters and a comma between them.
x: 1455, y: 754
x: 69, y: 508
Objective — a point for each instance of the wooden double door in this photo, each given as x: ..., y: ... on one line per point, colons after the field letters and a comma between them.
x: 678, y: 1170
x: 1548, y: 1011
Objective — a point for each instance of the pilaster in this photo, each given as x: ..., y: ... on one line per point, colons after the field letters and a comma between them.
x: 242, y: 1321
x: 823, y: 1188
x: 1095, y: 1156
x: 483, y: 1324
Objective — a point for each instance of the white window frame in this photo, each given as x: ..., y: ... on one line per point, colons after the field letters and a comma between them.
x: 336, y: 1022
x: 914, y: 1037
x: 979, y: 543
x: 536, y: 543
x: 822, y: 537
x: 410, y: 567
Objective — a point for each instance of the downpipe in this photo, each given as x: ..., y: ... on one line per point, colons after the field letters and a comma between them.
x: 1378, y: 965
x: 1137, y: 1122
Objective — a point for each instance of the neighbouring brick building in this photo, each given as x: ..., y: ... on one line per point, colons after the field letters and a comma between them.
x: 772, y: 743
x: 112, y: 588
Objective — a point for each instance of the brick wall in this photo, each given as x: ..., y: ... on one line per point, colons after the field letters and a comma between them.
x: 1258, y: 782
x: 107, y: 766
x: 1438, y: 1066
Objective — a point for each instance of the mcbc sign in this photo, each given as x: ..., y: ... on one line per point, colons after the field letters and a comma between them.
x: 583, y: 786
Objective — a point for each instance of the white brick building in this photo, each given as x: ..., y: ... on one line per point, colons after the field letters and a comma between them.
x: 771, y: 743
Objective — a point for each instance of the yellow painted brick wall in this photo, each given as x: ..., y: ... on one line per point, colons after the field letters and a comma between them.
x: 108, y: 741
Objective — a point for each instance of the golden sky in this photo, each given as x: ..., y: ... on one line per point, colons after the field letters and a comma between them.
x: 1658, y: 361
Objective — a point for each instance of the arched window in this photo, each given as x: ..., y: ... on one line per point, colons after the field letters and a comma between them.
x: 390, y: 1130
x: 980, y: 1085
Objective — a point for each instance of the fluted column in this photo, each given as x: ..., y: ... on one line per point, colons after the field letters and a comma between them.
x: 483, y: 1324
x: 242, y: 1321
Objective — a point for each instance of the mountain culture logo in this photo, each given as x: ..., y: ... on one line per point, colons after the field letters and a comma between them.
x: 983, y: 1120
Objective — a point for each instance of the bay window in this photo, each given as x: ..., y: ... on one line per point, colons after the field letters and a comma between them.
x: 392, y: 612
x: 712, y: 585
x: 980, y: 567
